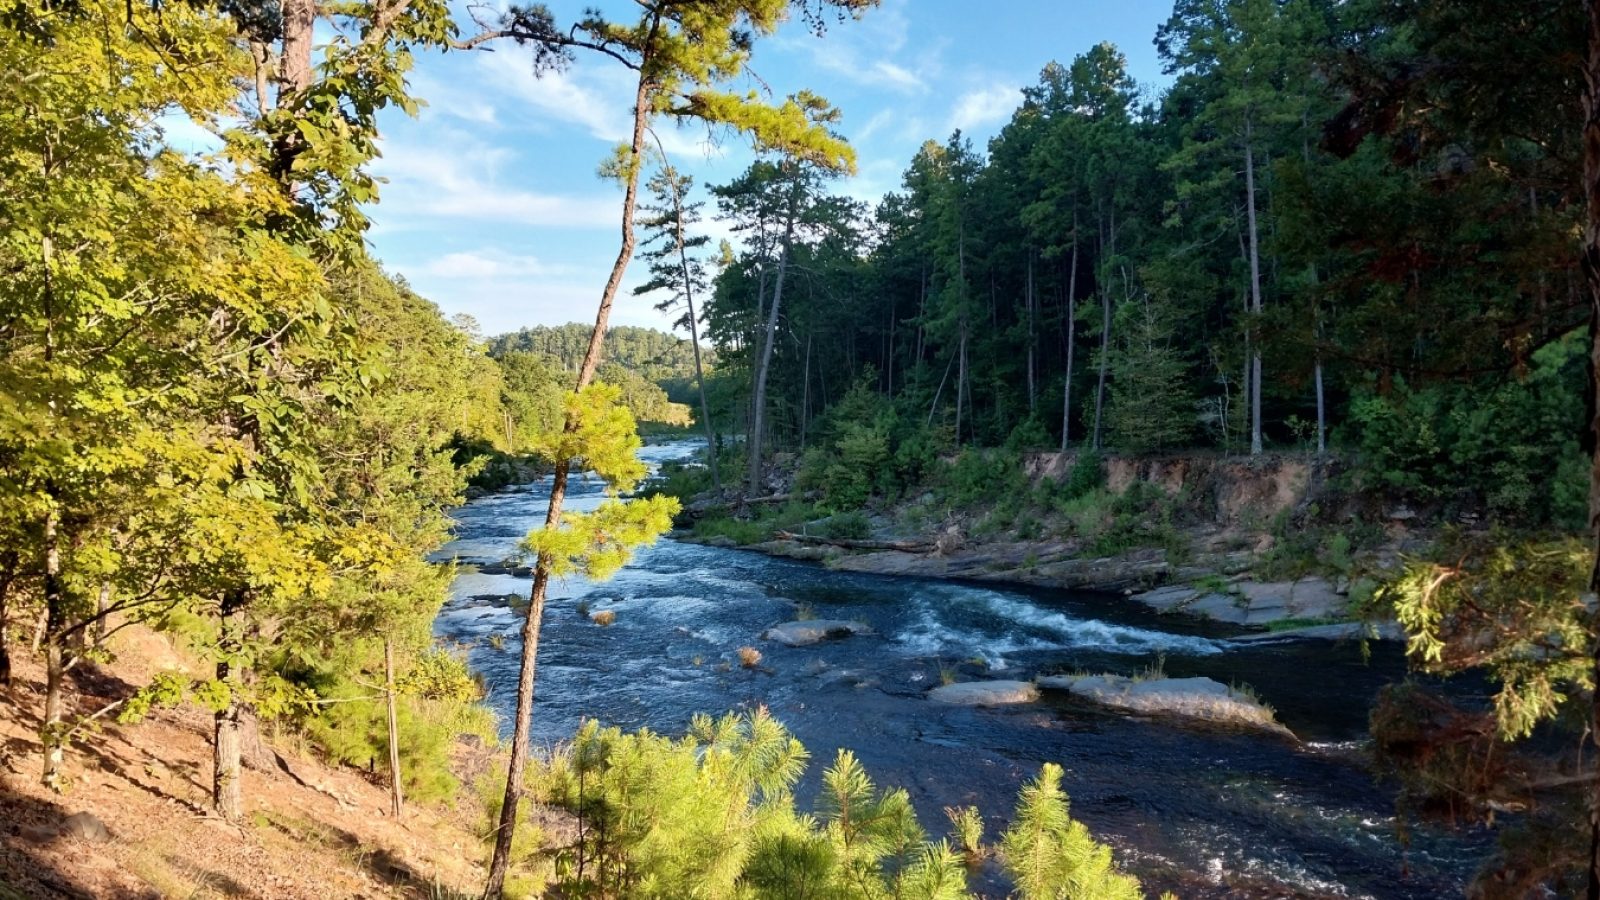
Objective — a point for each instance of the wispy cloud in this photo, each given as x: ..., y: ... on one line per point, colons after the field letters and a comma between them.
x: 984, y: 106
x: 866, y: 51
x: 488, y: 264
x: 457, y: 177
x: 597, y: 99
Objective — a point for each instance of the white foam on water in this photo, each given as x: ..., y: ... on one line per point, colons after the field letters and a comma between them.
x: 968, y: 622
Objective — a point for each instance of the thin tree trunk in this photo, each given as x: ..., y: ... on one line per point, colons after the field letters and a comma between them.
x: 888, y: 359
x: 5, y: 629
x: 805, y: 394
x: 1255, y: 288
x: 935, y: 406
x: 962, y: 394
x: 759, y: 413
x: 521, y: 735
x: 1591, y: 272
x: 396, y: 798
x: 1033, y: 394
x: 694, y: 337
x: 52, y: 728
x: 1072, y: 328
x: 101, y: 604
x: 227, y: 793
x: 1105, y: 358
x: 961, y: 379
x: 1322, y: 411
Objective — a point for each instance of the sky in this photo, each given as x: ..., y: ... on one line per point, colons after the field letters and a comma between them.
x: 493, y: 207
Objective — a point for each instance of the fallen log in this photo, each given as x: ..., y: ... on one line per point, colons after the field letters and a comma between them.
x: 848, y: 544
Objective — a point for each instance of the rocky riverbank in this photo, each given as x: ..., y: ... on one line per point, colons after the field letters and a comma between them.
x: 1258, y: 544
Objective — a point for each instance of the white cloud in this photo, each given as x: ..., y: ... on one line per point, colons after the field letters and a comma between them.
x: 871, y: 52
x: 443, y: 99
x: 502, y: 305
x: 597, y: 99
x: 984, y: 106
x: 487, y: 264
x: 458, y: 178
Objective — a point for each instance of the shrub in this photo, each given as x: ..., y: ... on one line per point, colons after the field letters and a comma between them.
x: 604, y: 618
x: 749, y: 657
x: 852, y: 526
x: 712, y: 814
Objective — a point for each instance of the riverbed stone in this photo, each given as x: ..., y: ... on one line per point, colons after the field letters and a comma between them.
x: 1215, y: 607
x: 1333, y: 631
x: 812, y: 631
x: 1167, y: 599
x: 985, y: 693
x: 1194, y: 698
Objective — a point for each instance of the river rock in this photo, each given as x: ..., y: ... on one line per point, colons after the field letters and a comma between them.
x: 1194, y: 698
x: 812, y: 631
x: 985, y: 693
x: 1167, y: 599
x: 1333, y: 631
x: 1229, y: 608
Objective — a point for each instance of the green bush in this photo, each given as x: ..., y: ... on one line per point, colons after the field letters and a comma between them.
x: 712, y: 814
x: 1511, y: 447
x: 852, y: 526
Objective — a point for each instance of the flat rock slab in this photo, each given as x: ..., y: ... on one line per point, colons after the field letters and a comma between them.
x: 1333, y: 631
x: 985, y: 693
x: 812, y: 631
x: 1250, y: 602
x: 1194, y: 698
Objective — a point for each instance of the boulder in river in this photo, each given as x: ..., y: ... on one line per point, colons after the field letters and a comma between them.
x: 985, y: 693
x: 1194, y: 698
x: 812, y: 631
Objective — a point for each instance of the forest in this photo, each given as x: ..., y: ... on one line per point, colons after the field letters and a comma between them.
x: 238, y: 453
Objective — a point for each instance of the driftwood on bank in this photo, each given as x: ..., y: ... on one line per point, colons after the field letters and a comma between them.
x: 903, y: 546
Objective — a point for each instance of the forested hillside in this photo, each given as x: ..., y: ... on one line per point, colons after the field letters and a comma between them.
x: 1336, y: 228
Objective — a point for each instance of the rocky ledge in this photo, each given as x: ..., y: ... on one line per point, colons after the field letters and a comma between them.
x: 1192, y: 698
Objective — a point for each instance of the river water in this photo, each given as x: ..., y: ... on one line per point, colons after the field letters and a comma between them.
x: 1205, y: 812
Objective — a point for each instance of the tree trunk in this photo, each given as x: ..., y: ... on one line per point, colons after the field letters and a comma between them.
x: 1105, y: 358
x: 694, y: 332
x: 961, y: 371
x: 934, y: 407
x: 1591, y: 272
x: 961, y: 380
x: 227, y: 791
x: 1322, y: 412
x: 521, y: 735
x: 5, y: 621
x: 805, y: 394
x: 760, y: 400
x: 396, y: 799
x: 1033, y: 394
x: 52, y: 728
x: 888, y: 359
x: 101, y: 604
x: 1072, y: 327
x: 1255, y: 289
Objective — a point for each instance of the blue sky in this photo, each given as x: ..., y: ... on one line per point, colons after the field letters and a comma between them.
x: 492, y: 207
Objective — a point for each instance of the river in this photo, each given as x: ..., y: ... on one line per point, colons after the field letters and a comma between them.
x: 1205, y: 812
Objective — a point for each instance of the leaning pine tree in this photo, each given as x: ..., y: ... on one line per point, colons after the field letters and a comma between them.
x: 682, y: 55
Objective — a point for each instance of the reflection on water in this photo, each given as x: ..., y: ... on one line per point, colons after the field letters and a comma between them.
x: 1208, y: 813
